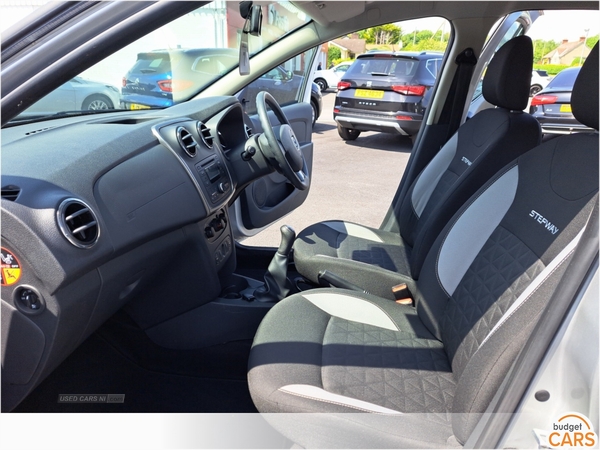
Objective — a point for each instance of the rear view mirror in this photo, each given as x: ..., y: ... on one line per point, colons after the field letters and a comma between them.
x: 245, y: 9
x: 253, y: 25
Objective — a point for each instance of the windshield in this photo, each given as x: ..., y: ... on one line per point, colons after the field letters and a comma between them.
x: 169, y: 65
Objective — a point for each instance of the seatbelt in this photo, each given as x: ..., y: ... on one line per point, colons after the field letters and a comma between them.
x: 455, y: 103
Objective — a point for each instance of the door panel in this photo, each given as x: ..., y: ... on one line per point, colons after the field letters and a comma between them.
x: 272, y: 197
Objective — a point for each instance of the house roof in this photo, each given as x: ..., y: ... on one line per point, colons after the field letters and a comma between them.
x: 356, y: 46
x: 565, y: 48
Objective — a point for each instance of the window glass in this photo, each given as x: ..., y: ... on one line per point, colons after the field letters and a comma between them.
x: 173, y: 63
x: 342, y: 69
x: 355, y: 180
x: 565, y: 79
x: 433, y: 66
x: 284, y: 82
x: 555, y: 47
x: 376, y: 65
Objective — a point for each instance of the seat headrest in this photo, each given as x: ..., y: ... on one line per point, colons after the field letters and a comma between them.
x: 584, y: 98
x: 508, y: 76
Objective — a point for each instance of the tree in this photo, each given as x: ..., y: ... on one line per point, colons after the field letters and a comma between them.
x: 577, y: 61
x: 382, y: 34
x: 420, y: 40
x: 542, y: 48
x: 431, y: 44
x: 332, y: 54
x: 591, y: 41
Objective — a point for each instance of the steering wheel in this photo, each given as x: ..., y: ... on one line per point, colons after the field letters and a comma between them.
x: 281, y: 148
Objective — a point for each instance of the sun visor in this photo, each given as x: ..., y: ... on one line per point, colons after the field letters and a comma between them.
x: 326, y: 12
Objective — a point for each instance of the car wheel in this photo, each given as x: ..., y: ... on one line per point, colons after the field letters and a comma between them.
x: 534, y: 90
x: 348, y: 134
x: 94, y: 102
x: 315, y: 113
x: 322, y: 84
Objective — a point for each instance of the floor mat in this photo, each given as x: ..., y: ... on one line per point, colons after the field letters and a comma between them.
x: 120, y: 359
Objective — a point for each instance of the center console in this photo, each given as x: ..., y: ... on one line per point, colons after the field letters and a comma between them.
x: 192, y: 142
x: 218, y: 237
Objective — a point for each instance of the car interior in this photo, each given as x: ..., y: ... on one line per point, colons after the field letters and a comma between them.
x: 124, y: 268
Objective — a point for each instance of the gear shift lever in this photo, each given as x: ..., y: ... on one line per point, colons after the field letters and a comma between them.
x: 277, y: 285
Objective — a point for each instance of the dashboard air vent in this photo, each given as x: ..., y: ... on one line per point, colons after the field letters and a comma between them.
x: 78, y: 223
x: 187, y: 141
x: 10, y: 192
x: 204, y: 133
x: 248, y: 131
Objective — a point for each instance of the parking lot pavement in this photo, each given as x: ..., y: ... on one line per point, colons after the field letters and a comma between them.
x: 352, y: 181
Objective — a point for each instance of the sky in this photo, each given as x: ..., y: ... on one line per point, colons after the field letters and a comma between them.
x: 554, y: 25
x: 569, y: 25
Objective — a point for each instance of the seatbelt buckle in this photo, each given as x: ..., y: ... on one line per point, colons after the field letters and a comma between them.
x: 402, y: 294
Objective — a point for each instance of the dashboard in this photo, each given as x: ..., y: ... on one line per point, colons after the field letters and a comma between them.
x: 97, y: 208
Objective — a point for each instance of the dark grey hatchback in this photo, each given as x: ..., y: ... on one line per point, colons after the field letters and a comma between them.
x: 385, y: 92
x: 552, y: 105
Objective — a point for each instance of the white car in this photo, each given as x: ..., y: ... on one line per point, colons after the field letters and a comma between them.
x: 329, y: 78
x: 539, y: 80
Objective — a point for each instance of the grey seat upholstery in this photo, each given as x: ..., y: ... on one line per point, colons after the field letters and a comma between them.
x: 376, y: 260
x: 421, y: 376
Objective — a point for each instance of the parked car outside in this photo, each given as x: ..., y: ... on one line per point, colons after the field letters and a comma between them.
x: 385, y: 91
x: 162, y: 78
x: 77, y: 94
x: 328, y: 78
x: 122, y: 270
x: 539, y: 80
x: 316, y: 101
x: 283, y: 85
x: 552, y: 105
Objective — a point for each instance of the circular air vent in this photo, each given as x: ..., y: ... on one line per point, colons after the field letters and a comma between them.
x: 187, y: 141
x: 204, y: 133
x: 78, y: 223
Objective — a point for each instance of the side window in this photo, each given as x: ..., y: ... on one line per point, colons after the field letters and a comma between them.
x: 286, y: 82
x: 214, y: 65
x: 341, y: 70
x: 360, y: 149
x: 433, y: 66
x: 275, y: 74
x: 516, y: 28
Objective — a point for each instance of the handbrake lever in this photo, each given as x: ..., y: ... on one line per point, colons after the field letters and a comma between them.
x: 334, y: 280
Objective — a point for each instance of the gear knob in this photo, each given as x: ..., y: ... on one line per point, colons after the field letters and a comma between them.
x: 288, y: 235
x: 277, y: 285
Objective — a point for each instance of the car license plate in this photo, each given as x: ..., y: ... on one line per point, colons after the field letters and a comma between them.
x: 136, y: 106
x: 565, y: 108
x: 366, y: 93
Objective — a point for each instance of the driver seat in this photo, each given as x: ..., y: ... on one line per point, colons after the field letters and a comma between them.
x: 376, y: 260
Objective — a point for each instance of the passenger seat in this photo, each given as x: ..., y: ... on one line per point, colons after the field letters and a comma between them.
x: 376, y: 260
x: 421, y: 376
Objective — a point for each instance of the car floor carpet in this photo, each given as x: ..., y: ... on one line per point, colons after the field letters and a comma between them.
x: 120, y: 359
